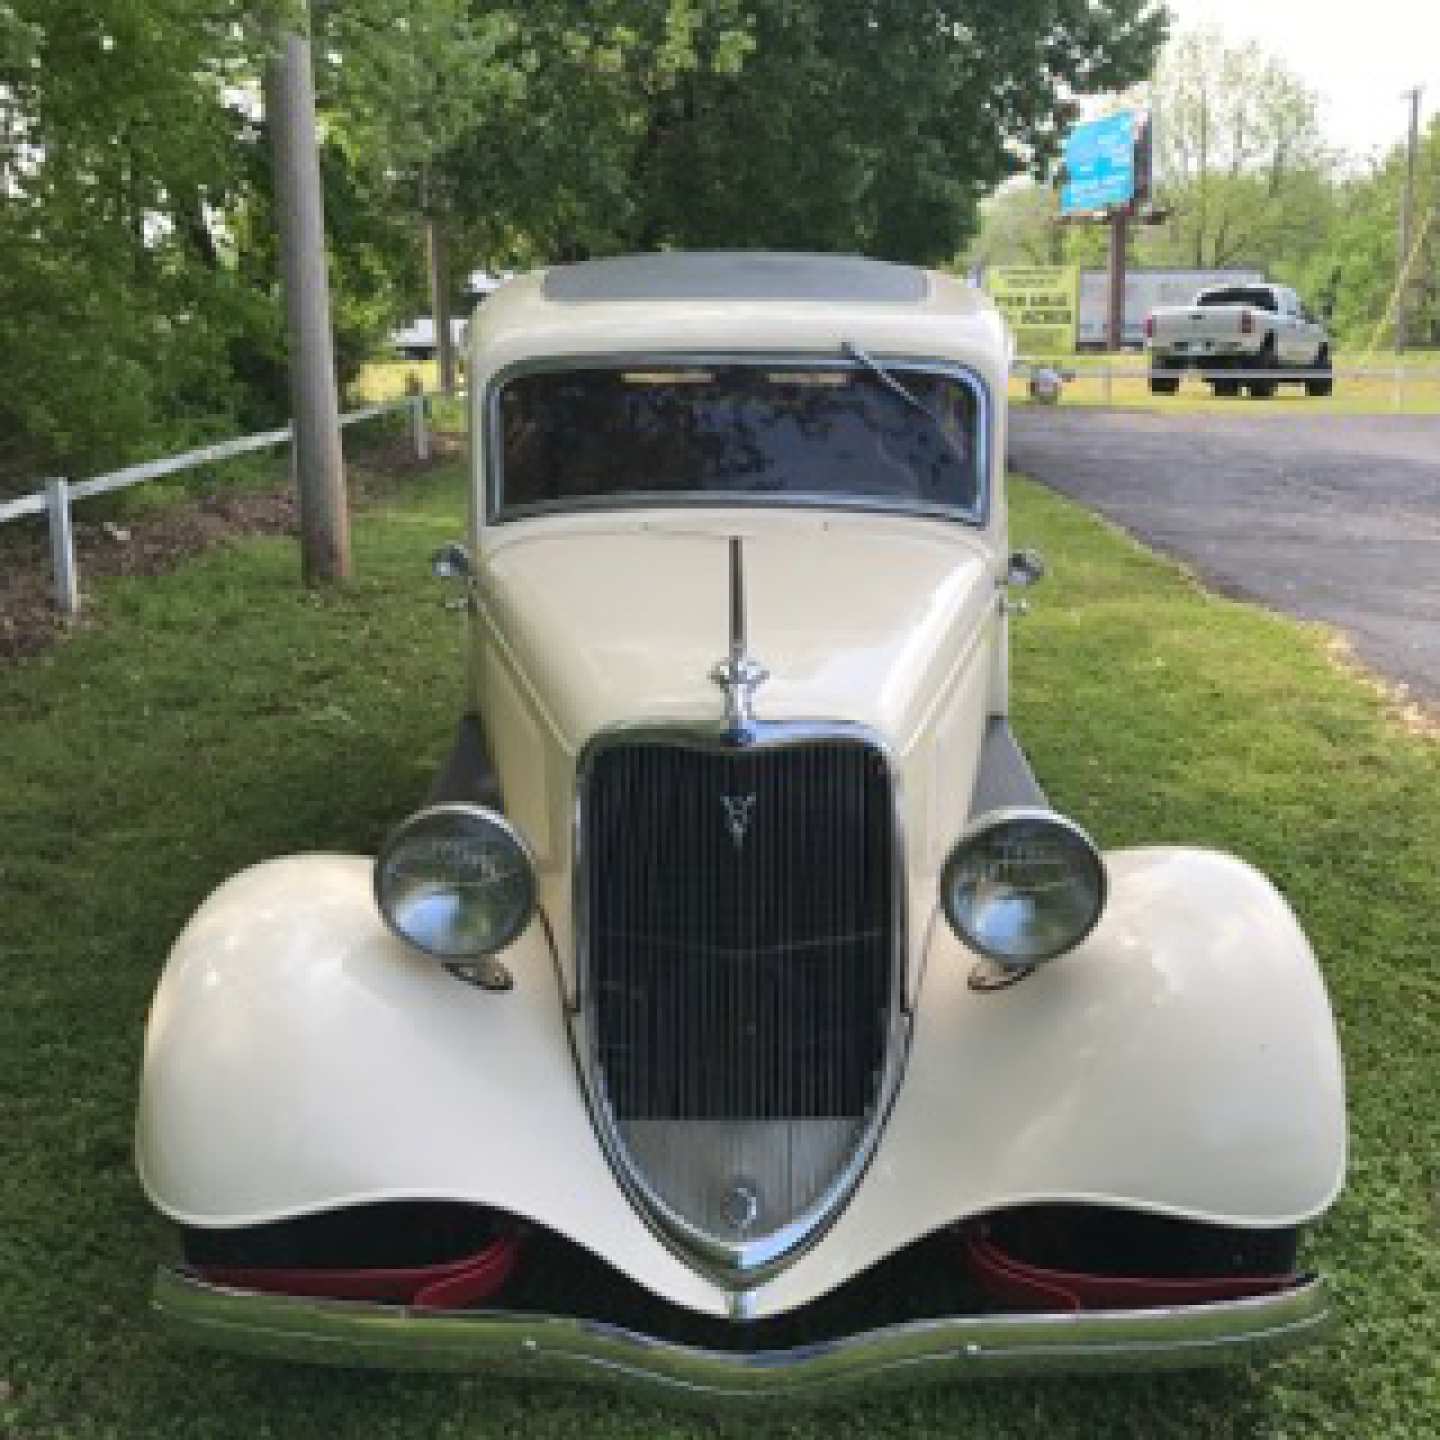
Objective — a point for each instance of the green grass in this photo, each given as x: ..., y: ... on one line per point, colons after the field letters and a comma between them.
x: 1353, y: 395
x: 1344, y: 355
x: 220, y: 714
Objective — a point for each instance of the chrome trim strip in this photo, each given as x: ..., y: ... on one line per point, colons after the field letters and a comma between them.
x: 492, y: 513
x: 497, y: 1342
x: 740, y: 1267
x: 739, y: 675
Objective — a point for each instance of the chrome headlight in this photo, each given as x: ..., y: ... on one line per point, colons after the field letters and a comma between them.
x: 1023, y: 886
x: 456, y: 881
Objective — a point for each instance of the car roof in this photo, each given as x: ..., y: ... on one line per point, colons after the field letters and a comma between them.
x: 725, y: 302
x: 737, y: 275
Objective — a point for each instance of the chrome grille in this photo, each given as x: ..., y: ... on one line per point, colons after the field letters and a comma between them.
x: 738, y: 968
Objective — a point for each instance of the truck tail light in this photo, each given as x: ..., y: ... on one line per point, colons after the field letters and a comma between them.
x: 1247, y: 322
x: 1149, y: 327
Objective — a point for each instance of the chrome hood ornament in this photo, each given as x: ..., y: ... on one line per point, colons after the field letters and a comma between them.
x: 739, y: 675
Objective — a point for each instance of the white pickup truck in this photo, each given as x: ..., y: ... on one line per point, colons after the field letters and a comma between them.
x: 1255, y: 336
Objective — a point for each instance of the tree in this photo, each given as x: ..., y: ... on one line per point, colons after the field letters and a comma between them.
x: 805, y: 124
x: 136, y: 222
x: 116, y: 147
x: 877, y: 128
x: 406, y: 78
x: 1244, y: 166
x: 1021, y: 226
x: 554, y: 169
x: 1355, y: 269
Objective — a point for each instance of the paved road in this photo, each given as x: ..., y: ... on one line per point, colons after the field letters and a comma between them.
x: 1329, y: 517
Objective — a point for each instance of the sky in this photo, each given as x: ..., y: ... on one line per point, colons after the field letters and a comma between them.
x: 1358, y: 57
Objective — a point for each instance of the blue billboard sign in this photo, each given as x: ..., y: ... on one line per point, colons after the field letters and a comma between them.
x: 1099, y: 165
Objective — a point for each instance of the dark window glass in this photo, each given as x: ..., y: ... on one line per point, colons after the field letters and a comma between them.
x: 647, y: 435
x: 1256, y: 298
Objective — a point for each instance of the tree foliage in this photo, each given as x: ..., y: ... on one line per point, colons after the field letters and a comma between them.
x: 1245, y: 168
x: 806, y: 124
x: 117, y: 144
x: 556, y: 172
x: 1355, y: 268
x: 136, y: 197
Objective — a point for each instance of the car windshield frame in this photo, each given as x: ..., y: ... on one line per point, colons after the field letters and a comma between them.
x: 496, y: 513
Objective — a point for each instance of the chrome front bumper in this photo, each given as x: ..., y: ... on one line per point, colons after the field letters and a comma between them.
x: 355, y: 1333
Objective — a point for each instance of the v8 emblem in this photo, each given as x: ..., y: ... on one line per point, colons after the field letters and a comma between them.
x: 738, y: 811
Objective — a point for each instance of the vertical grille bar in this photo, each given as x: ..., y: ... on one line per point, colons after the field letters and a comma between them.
x: 740, y: 918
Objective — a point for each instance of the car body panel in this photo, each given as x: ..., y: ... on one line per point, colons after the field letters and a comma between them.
x: 301, y: 1058
x: 569, y: 638
x: 576, y: 606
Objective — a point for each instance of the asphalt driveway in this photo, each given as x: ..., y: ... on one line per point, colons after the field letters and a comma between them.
x: 1328, y: 517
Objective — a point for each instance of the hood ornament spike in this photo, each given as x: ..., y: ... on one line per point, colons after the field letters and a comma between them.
x: 739, y: 675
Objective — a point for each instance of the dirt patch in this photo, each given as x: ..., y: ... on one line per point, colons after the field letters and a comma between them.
x: 157, y: 542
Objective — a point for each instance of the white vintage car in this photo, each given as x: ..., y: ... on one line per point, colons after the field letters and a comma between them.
x: 737, y: 1016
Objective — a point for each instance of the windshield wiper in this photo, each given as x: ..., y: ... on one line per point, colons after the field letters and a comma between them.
x: 888, y: 380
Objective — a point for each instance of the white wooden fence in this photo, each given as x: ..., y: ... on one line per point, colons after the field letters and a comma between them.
x: 56, y: 499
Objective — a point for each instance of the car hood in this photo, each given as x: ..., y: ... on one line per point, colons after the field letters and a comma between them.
x: 860, y: 618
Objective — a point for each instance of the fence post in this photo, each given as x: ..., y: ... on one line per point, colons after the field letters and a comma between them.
x: 420, y: 427
x: 62, y: 548
x: 1107, y: 382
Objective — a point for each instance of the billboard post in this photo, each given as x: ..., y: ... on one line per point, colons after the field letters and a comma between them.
x: 1104, y: 174
x: 1115, y: 309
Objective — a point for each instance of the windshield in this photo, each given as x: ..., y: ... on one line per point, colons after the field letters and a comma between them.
x: 747, y: 433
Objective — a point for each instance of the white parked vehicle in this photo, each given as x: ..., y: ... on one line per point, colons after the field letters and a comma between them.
x: 1250, y: 336
x: 737, y: 1016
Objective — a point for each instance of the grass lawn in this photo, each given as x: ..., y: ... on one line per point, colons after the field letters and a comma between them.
x: 1370, y: 394
x: 220, y: 715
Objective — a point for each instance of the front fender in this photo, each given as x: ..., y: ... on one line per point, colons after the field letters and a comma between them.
x: 1182, y: 1061
x: 300, y: 1057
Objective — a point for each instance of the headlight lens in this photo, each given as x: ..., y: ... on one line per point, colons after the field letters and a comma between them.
x: 1023, y: 886
x: 456, y: 881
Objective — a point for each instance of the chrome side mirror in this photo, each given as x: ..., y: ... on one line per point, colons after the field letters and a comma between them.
x: 451, y: 562
x: 1026, y: 567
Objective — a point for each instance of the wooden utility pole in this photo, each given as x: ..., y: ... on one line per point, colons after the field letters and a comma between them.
x: 1407, y: 220
x: 437, y: 261
x: 300, y: 211
x: 1115, y: 318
